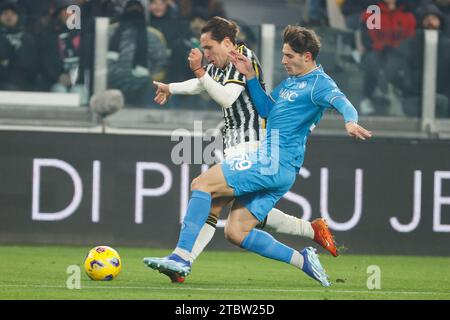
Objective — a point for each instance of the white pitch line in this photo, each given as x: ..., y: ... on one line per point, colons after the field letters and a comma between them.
x: 231, y: 289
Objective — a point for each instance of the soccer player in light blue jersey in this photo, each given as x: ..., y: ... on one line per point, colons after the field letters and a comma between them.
x: 258, y: 180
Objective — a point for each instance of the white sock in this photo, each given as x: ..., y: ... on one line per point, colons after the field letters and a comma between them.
x: 280, y: 222
x: 204, y: 237
x: 297, y: 260
x: 183, y: 254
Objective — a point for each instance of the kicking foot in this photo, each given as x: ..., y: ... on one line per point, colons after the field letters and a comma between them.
x: 172, y: 266
x: 312, y: 266
x: 323, y: 236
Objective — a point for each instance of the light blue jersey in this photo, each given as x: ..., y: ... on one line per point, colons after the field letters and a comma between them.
x: 298, y: 105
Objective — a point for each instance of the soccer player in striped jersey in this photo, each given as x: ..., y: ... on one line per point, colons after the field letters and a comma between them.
x: 241, y: 134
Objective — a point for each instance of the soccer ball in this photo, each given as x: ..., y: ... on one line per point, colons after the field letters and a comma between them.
x: 102, y: 263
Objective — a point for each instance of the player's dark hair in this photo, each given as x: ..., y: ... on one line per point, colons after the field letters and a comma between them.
x: 302, y: 40
x: 221, y: 28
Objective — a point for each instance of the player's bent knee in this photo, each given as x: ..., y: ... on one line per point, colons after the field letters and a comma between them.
x: 199, y: 184
x: 234, y: 236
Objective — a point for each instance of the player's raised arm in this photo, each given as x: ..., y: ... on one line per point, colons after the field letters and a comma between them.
x: 262, y: 101
x: 224, y: 95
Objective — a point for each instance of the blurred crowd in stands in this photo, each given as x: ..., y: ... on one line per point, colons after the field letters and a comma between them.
x: 38, y: 52
x: 150, y: 40
x: 394, y: 54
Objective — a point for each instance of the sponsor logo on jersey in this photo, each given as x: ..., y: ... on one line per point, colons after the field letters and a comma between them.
x: 302, y: 85
x: 288, y: 95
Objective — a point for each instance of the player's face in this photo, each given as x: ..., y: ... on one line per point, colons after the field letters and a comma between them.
x: 216, y: 52
x: 294, y: 62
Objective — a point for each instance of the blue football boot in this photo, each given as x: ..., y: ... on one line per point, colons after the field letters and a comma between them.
x: 173, y: 266
x: 312, y: 266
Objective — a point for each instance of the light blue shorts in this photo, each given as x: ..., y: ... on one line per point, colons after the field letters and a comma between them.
x: 258, y: 185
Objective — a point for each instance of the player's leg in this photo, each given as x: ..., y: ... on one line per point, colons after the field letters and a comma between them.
x: 213, y: 182
x: 209, y: 184
x: 240, y: 230
x: 209, y: 228
x: 280, y: 222
x: 317, y: 230
x: 204, y: 237
x: 242, y: 177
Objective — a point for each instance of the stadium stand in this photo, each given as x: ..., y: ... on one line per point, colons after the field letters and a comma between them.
x: 341, y: 57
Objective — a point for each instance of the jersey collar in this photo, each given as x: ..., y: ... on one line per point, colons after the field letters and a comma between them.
x: 317, y: 68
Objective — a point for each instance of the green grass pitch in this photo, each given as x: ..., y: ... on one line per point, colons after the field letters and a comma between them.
x: 39, y: 272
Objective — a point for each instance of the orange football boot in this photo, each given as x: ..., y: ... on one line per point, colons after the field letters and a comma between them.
x: 323, y: 236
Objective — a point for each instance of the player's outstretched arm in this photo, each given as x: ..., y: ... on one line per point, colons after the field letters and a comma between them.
x: 188, y: 87
x: 326, y: 94
x: 348, y: 111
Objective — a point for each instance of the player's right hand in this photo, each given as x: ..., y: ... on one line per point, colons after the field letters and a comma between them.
x: 195, y: 59
x: 162, y: 93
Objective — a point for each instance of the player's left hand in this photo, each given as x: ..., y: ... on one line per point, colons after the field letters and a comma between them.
x: 355, y: 130
x: 195, y: 59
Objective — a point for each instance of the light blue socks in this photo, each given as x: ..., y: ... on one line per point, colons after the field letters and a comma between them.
x: 196, y: 215
x: 263, y: 243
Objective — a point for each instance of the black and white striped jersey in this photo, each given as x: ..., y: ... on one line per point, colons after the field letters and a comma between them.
x: 242, y: 122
